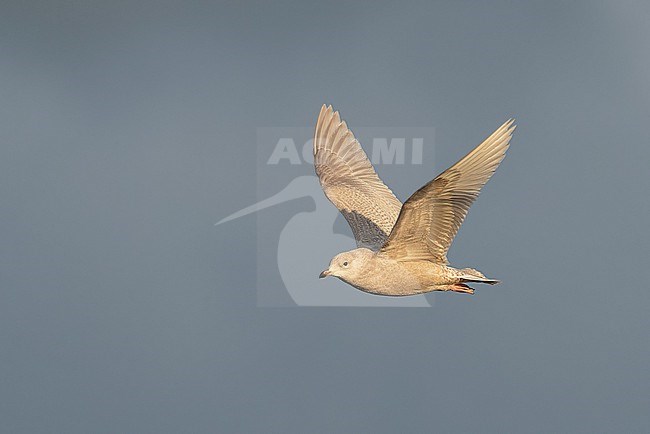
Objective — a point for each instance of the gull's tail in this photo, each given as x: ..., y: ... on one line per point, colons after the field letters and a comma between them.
x: 472, y: 275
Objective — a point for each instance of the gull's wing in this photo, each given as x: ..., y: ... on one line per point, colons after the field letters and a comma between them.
x: 431, y: 217
x: 350, y: 182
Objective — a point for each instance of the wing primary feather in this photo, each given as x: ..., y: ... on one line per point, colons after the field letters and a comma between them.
x: 431, y: 217
x: 350, y: 182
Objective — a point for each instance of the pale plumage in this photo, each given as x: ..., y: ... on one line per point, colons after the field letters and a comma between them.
x: 351, y: 183
x: 402, y: 250
x: 431, y: 217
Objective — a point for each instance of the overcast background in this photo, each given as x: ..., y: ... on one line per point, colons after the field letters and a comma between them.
x: 128, y: 128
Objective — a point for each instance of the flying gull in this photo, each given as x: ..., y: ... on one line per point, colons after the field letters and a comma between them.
x: 401, y: 249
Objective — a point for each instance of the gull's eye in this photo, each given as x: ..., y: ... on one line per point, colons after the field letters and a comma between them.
x: 345, y: 264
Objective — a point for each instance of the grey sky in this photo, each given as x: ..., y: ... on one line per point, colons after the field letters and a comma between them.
x: 128, y: 129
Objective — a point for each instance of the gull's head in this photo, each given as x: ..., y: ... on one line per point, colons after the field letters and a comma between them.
x: 347, y: 265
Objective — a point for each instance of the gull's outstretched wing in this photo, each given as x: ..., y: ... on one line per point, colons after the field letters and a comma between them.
x: 350, y: 182
x: 431, y: 217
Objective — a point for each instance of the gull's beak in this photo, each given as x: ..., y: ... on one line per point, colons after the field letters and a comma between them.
x: 324, y: 274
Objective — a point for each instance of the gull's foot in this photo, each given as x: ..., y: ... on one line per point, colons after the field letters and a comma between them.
x: 458, y: 287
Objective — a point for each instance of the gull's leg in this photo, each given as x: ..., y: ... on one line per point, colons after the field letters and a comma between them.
x: 458, y: 287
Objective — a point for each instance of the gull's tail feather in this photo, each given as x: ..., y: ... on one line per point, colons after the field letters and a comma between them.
x: 472, y: 275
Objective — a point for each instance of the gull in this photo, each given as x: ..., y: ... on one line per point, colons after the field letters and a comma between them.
x: 297, y: 261
x: 401, y: 249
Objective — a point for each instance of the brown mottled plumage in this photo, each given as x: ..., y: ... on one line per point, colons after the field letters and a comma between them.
x: 402, y: 249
